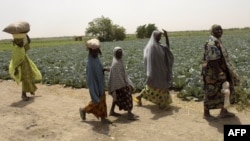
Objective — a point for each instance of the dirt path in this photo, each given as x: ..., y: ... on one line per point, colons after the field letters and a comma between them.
x: 52, y: 115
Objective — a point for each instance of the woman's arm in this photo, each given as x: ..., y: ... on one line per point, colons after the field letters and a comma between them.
x: 166, y: 37
x: 28, y: 39
x: 106, y: 69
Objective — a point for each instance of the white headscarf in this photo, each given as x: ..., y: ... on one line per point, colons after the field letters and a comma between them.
x: 118, y: 77
x: 158, y: 61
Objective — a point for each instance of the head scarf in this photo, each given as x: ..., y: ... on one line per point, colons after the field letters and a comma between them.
x: 118, y: 77
x: 214, y: 27
x: 158, y: 62
x: 19, y: 35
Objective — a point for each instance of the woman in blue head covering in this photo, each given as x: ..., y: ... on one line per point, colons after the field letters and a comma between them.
x: 95, y: 82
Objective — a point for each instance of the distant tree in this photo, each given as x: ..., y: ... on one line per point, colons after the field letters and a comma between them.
x: 145, y: 31
x: 119, y: 33
x: 149, y: 29
x: 104, y: 29
x: 141, y: 31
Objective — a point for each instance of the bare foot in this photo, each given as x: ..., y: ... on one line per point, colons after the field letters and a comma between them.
x: 209, y: 117
x: 132, y: 116
x: 226, y: 114
x: 137, y: 100
x: 25, y: 98
x: 105, y: 121
x: 114, y: 114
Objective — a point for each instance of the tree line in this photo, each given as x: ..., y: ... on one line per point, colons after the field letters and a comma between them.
x: 104, y: 29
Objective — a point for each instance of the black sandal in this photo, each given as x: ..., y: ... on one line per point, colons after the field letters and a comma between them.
x: 82, y: 114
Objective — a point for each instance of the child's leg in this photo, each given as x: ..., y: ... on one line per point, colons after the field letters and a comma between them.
x: 112, y: 110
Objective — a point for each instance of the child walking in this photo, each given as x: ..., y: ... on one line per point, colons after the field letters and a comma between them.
x: 120, y: 86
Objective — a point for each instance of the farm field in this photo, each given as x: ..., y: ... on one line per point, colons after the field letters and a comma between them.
x: 63, y: 60
x: 52, y: 114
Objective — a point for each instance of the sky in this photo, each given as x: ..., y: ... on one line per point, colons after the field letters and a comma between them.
x: 56, y: 18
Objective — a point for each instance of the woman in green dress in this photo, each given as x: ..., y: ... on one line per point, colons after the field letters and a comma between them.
x: 22, y: 68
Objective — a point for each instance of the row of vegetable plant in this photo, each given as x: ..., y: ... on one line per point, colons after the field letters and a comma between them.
x: 66, y: 64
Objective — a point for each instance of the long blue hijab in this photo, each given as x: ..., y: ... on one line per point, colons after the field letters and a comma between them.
x: 95, y: 78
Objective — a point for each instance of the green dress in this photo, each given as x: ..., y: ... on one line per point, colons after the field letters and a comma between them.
x: 22, y: 69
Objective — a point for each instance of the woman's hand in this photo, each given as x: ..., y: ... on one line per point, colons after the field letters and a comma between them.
x: 106, y: 69
x: 165, y: 33
x: 16, y: 72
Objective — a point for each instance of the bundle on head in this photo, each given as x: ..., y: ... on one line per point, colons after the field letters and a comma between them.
x: 93, y: 44
x: 17, y: 28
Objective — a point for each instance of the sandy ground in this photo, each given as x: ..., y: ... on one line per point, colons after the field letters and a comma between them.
x: 52, y: 115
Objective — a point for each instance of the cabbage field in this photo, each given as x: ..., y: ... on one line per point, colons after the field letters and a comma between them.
x: 64, y: 61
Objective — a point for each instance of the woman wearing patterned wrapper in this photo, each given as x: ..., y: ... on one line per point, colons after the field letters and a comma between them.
x: 158, y: 63
x: 219, y: 76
